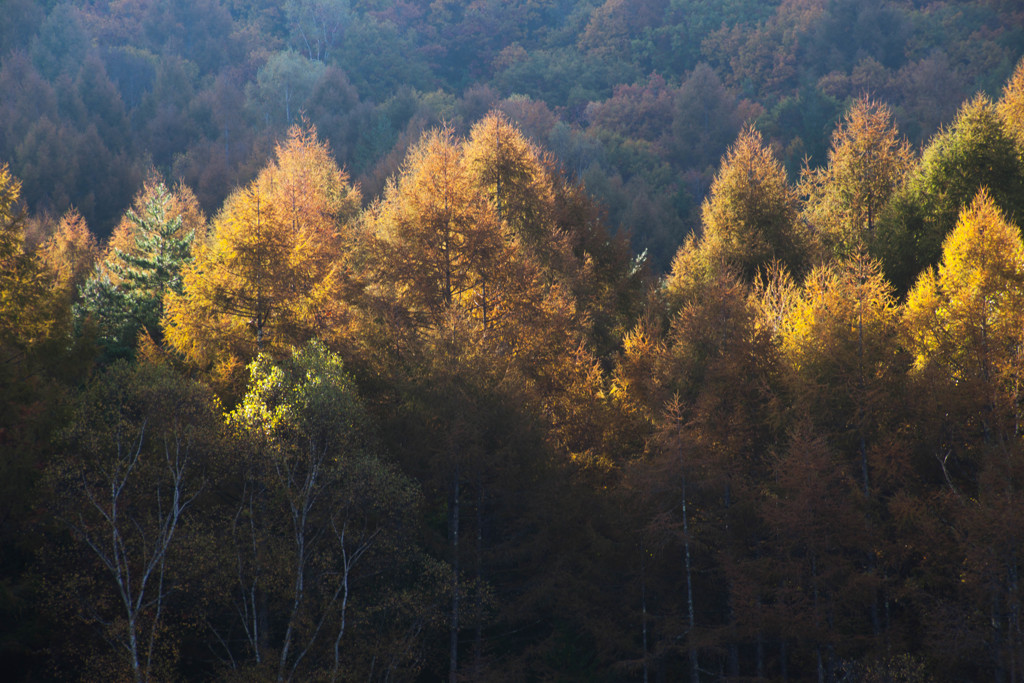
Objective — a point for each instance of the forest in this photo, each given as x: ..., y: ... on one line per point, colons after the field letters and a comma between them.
x: 533, y: 340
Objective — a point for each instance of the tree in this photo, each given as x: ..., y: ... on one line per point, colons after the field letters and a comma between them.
x: 23, y: 314
x: 840, y: 340
x: 282, y: 87
x: 318, y: 25
x: 70, y: 254
x: 750, y: 217
x: 441, y: 240
x: 508, y: 168
x: 271, y: 273
x: 130, y: 471
x: 963, y: 324
x: 965, y: 317
x: 321, y: 529
x: 125, y: 295
x: 703, y: 385
x: 1011, y: 107
x: 867, y: 163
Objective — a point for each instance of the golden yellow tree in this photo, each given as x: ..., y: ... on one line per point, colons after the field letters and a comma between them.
x: 1011, y: 107
x: 967, y: 317
x: 69, y: 254
x: 441, y: 243
x: 867, y: 163
x: 965, y: 326
x: 270, y: 274
x: 750, y: 217
x: 840, y: 340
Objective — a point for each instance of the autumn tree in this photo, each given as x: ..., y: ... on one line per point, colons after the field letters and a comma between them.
x: 963, y: 321
x: 271, y: 272
x: 844, y: 389
x: 867, y: 163
x: 28, y: 415
x: 22, y: 287
x: 702, y: 382
x: 750, y: 217
x: 1011, y: 107
x: 70, y: 254
x: 963, y: 325
x: 840, y: 340
x: 509, y: 169
x: 444, y: 261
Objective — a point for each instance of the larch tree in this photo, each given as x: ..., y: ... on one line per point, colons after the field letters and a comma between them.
x: 840, y: 343
x: 1011, y: 107
x: 70, y: 254
x: 701, y: 381
x: 270, y: 274
x: 23, y: 321
x: 965, y: 316
x: 964, y: 323
x: 750, y: 217
x: 444, y: 264
x: 867, y: 163
x: 844, y: 383
x: 487, y: 335
x: 509, y: 169
x: 441, y: 241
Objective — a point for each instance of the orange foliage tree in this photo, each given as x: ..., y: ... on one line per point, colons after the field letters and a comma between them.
x: 271, y: 273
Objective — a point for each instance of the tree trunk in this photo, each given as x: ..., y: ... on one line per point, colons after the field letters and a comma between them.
x: 691, y: 618
x: 453, y: 634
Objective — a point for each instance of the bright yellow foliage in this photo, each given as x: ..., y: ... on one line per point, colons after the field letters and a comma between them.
x: 1011, y: 107
x: 270, y: 274
x: 841, y: 331
x: 966, y: 320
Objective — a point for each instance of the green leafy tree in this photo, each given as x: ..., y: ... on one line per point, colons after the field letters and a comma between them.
x: 318, y: 25
x: 282, y: 87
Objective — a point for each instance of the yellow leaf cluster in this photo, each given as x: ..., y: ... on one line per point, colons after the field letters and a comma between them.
x: 966, y: 319
x: 270, y: 274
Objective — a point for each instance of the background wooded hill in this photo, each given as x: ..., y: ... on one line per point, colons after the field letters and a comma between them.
x: 638, y: 98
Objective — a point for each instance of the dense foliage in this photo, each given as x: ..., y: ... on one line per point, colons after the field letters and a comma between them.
x: 440, y: 421
x: 639, y: 98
